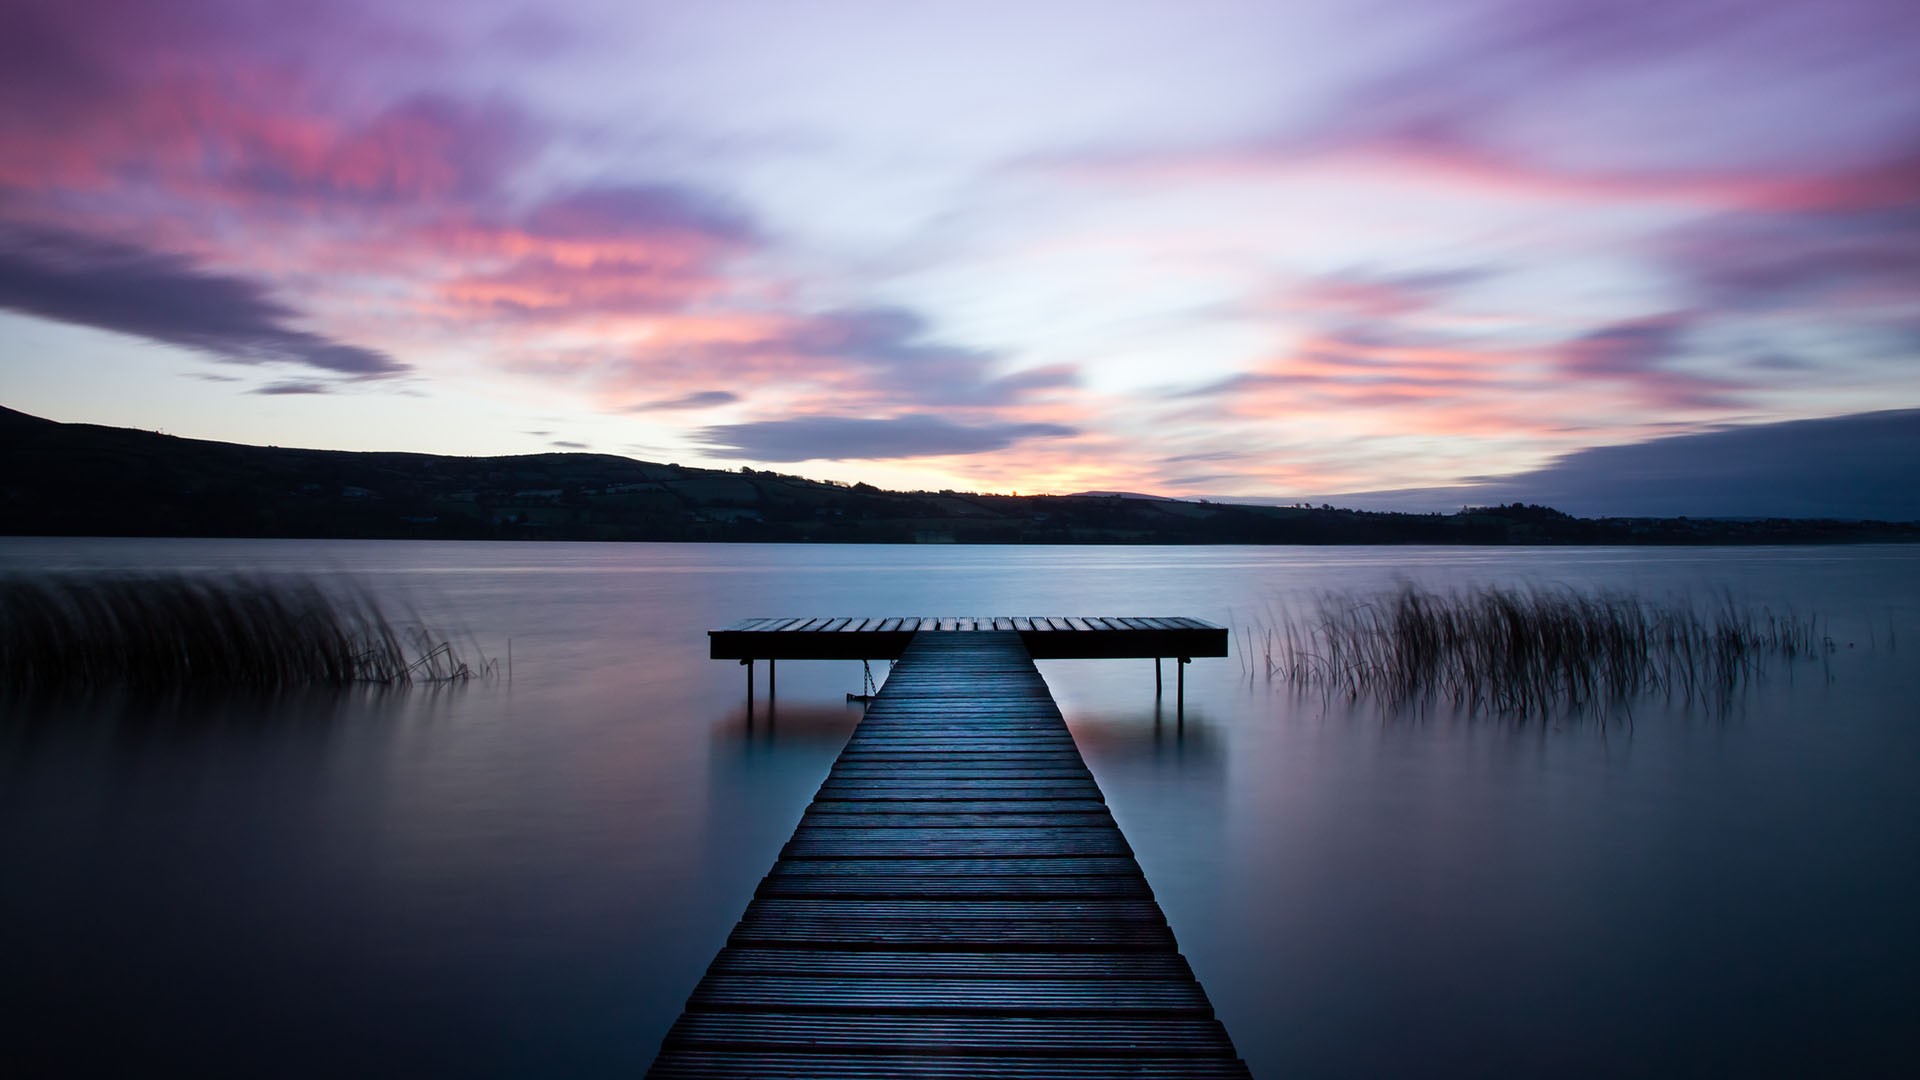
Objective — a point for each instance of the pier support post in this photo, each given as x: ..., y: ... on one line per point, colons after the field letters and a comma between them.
x: 1180, y: 687
x: 1156, y: 678
x: 771, y: 675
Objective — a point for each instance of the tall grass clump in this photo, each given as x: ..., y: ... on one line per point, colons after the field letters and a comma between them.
x: 170, y: 633
x: 1525, y: 651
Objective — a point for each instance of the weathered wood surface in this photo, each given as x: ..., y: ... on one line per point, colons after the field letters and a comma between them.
x: 885, y: 638
x: 956, y: 902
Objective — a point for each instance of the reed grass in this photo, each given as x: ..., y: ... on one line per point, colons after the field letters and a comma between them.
x: 178, y: 632
x: 1528, y: 651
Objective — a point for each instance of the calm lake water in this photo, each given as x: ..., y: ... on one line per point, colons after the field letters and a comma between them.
x: 528, y: 877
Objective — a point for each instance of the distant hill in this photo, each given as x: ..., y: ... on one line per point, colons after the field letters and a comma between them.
x: 1858, y: 466
x: 1125, y: 495
x: 88, y: 480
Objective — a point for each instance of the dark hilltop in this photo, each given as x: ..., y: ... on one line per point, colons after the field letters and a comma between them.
x: 89, y: 480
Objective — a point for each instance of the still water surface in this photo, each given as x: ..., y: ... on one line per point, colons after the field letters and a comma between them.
x: 528, y: 876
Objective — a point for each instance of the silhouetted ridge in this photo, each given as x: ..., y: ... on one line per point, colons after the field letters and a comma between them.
x: 88, y: 480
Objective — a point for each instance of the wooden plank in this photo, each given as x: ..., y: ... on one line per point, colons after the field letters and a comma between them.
x: 949, y: 810
x: 940, y: 933
x: 958, y: 770
x: 956, y: 751
x: 714, y: 1064
x: 854, y: 792
x: 876, y: 883
x: 965, y: 789
x: 957, y: 912
x: 1083, y: 866
x: 881, y: 964
x: 962, y: 996
x: 830, y: 846
x: 1181, y: 1036
x: 900, y: 819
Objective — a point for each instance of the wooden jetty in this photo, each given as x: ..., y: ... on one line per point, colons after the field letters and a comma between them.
x: 1046, y: 637
x: 1056, y: 637
x: 956, y: 902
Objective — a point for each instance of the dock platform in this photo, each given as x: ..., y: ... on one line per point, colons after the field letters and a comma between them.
x: 1056, y: 637
x: 956, y: 902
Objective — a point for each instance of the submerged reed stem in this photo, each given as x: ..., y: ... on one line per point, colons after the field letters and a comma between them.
x: 175, y: 632
x: 1525, y: 651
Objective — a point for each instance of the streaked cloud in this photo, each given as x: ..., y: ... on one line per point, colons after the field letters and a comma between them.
x: 293, y: 388
x: 1644, y: 354
x: 699, y: 399
x: 168, y: 299
x: 837, y: 438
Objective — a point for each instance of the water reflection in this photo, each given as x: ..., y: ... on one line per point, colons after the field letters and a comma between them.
x: 1154, y: 733
x: 767, y: 723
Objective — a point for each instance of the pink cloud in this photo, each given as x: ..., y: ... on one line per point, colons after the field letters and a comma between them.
x: 608, y: 252
x: 205, y: 112
x: 1451, y: 160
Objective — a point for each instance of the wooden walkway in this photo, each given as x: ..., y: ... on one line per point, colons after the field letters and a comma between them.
x: 957, y: 902
x: 1047, y: 637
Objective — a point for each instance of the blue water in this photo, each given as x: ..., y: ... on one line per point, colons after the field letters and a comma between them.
x: 528, y: 875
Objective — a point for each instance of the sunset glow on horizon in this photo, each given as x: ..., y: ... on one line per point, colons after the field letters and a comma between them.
x: 1221, y: 249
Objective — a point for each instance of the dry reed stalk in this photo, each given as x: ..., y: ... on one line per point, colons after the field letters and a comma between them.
x: 178, y: 632
x: 1525, y: 651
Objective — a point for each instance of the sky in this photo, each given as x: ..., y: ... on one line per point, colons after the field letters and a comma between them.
x: 1195, y: 248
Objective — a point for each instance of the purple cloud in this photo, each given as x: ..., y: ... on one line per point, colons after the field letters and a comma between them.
x: 837, y: 438
x: 1758, y: 262
x: 1641, y: 352
x: 619, y: 250
x: 892, y: 351
x: 1497, y: 61
x: 703, y: 399
x: 640, y: 210
x: 291, y: 387
x: 1483, y: 95
x: 424, y: 149
x: 68, y: 277
x: 1369, y: 296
